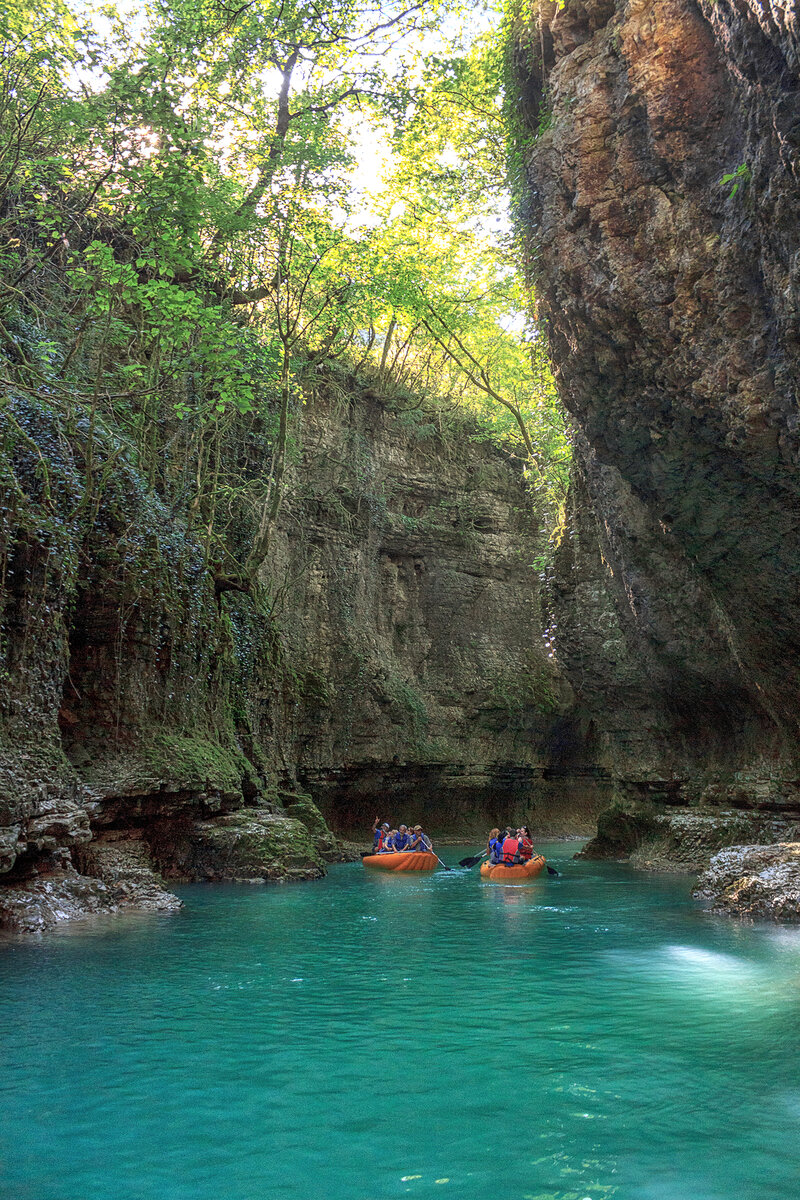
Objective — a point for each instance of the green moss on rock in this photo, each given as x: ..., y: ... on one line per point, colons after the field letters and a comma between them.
x: 172, y: 762
x: 250, y: 845
x: 302, y: 808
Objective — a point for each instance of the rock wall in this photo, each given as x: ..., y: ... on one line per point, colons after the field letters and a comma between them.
x: 392, y: 660
x: 671, y: 301
x: 412, y: 611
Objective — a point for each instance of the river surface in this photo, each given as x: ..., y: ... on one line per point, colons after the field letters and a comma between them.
x: 369, y: 1037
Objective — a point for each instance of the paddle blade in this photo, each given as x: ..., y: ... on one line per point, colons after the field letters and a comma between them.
x: 552, y: 871
x: 470, y: 862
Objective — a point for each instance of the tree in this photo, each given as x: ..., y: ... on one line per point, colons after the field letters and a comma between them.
x: 183, y: 244
x: 455, y: 320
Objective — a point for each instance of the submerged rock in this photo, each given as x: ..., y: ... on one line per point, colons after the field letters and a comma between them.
x: 754, y: 881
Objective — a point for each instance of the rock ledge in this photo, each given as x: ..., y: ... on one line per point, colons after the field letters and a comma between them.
x: 754, y: 881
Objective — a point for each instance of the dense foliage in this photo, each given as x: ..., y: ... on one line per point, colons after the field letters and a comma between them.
x: 202, y: 205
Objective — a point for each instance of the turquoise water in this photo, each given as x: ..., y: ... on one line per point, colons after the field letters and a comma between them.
x: 366, y: 1037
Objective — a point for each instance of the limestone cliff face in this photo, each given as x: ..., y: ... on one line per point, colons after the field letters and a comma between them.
x: 392, y: 661
x: 412, y: 612
x: 672, y: 306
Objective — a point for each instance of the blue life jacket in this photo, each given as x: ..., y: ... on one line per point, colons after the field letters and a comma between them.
x: 376, y: 839
x: 401, y: 841
x: 495, y: 850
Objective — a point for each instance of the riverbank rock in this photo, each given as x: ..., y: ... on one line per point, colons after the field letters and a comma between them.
x: 115, y: 876
x: 754, y: 881
x: 41, y: 904
x: 248, y: 846
x: 681, y: 838
x: 123, y: 861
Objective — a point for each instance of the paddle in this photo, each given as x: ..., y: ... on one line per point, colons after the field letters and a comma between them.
x: 472, y: 860
x: 552, y: 871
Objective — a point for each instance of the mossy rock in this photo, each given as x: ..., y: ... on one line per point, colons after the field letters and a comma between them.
x: 192, y: 758
x: 302, y: 808
x: 248, y: 845
x: 171, y: 762
x: 620, y: 831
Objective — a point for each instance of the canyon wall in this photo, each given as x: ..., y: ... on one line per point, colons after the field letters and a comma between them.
x: 395, y: 657
x: 392, y: 660
x: 660, y: 197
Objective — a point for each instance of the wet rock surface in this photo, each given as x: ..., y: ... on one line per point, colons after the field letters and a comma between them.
x: 760, y: 882
x: 114, y: 875
x: 655, y: 838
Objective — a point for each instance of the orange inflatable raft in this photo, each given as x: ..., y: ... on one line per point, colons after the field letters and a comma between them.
x: 528, y: 870
x: 404, y: 860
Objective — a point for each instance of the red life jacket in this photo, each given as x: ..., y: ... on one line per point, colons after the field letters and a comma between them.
x: 510, y: 848
x: 526, y: 849
x: 380, y: 843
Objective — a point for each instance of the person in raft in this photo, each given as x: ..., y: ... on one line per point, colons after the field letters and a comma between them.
x: 401, y: 840
x: 379, y: 834
x: 395, y: 842
x: 387, y: 842
x: 494, y: 847
x: 404, y: 840
x: 420, y: 841
x: 500, y: 841
x: 517, y: 847
x: 511, y: 851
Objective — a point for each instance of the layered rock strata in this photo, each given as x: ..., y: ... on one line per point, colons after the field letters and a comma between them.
x: 661, y: 198
x: 413, y: 618
x: 391, y: 660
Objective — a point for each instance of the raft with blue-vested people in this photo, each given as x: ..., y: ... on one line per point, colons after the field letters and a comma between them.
x: 525, y: 870
x: 402, y: 860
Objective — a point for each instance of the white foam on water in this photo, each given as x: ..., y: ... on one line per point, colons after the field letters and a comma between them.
x: 689, y: 961
x: 786, y: 938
